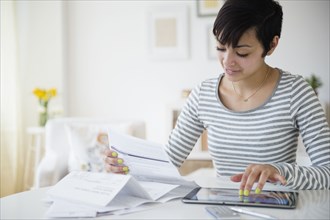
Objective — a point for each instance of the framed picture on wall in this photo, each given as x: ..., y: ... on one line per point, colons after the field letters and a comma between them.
x: 168, y: 32
x: 208, y: 7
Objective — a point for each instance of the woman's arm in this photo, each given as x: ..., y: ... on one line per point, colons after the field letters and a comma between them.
x: 187, y: 130
x: 308, y: 116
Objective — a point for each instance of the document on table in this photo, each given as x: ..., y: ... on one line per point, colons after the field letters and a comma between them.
x: 83, y: 193
x: 152, y: 179
x: 224, y: 182
x: 95, y: 188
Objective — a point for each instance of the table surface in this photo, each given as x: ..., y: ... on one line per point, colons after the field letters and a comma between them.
x: 312, y: 204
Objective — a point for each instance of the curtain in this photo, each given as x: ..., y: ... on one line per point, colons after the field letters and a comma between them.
x: 11, y: 114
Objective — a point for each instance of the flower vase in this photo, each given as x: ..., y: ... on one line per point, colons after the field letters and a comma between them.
x: 43, y: 117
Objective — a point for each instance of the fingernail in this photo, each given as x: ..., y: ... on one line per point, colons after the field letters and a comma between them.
x: 258, y: 191
x: 114, y: 154
x: 126, y: 172
x: 125, y: 169
x: 240, y: 192
x: 119, y: 161
x: 246, y: 192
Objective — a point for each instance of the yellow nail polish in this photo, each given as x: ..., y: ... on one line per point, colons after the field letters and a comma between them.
x: 258, y: 191
x: 240, y: 192
x: 119, y: 161
x: 246, y: 192
x: 125, y: 169
x: 114, y: 154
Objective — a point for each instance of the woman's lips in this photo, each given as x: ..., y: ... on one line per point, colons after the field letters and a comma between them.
x: 231, y: 72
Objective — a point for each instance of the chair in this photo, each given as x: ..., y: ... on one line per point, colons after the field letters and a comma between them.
x: 58, y: 151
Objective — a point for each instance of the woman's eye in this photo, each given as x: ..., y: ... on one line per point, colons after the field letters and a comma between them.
x: 242, y: 55
x: 238, y: 54
x: 220, y: 49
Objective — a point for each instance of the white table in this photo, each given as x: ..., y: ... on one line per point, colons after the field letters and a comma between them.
x: 313, y: 204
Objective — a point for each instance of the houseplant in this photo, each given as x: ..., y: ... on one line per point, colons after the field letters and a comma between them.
x: 314, y: 82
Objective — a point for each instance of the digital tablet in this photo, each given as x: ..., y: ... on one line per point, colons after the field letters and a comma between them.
x: 269, y: 199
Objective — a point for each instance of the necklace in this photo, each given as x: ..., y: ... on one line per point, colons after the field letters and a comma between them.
x: 258, y: 88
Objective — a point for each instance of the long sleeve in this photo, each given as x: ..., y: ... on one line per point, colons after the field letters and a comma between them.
x: 187, y: 130
x: 309, y: 118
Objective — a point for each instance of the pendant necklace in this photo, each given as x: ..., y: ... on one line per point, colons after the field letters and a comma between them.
x: 258, y: 88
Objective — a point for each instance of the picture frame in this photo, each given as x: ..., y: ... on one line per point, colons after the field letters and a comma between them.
x: 168, y: 33
x: 206, y: 8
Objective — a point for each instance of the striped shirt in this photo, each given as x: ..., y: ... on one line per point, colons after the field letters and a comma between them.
x: 266, y: 135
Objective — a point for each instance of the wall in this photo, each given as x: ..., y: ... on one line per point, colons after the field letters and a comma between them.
x: 96, y: 54
x: 40, y: 53
x: 110, y: 74
x: 110, y: 70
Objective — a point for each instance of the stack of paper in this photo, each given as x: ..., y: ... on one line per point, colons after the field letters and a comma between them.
x: 153, y: 179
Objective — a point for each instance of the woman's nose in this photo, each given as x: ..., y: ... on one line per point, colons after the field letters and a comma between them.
x: 228, y: 59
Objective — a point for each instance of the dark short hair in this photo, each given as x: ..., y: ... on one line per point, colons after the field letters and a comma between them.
x: 237, y: 16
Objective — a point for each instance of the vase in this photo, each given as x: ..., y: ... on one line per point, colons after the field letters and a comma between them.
x: 43, y: 117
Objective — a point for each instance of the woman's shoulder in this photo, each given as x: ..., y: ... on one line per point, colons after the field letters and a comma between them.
x: 211, y: 82
x: 208, y: 86
x: 296, y: 84
x: 289, y: 78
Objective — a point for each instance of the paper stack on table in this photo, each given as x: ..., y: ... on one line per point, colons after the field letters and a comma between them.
x: 152, y: 179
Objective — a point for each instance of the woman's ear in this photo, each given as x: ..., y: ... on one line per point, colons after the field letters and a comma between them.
x: 273, y: 45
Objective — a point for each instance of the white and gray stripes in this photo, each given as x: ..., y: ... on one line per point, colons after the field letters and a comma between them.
x: 267, y: 134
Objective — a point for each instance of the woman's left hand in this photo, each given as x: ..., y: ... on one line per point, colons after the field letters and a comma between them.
x: 257, y: 173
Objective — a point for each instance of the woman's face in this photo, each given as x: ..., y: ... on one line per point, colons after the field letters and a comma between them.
x: 244, y: 60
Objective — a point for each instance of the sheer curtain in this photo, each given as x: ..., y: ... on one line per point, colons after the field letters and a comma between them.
x: 12, y: 159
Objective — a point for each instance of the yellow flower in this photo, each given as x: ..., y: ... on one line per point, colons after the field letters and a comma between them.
x: 44, y: 95
x: 52, y: 92
x: 38, y: 92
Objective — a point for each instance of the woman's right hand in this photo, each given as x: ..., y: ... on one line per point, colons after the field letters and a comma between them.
x: 113, y: 163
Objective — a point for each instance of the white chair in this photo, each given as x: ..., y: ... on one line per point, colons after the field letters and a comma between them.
x: 55, y: 163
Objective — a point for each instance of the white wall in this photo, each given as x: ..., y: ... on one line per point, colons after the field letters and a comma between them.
x: 111, y: 75
x: 110, y: 70
x: 40, y: 53
x: 304, y: 45
x: 96, y: 54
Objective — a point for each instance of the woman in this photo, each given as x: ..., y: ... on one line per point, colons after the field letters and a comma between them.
x: 253, y: 112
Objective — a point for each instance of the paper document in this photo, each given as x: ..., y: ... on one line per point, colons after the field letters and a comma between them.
x: 95, y: 188
x: 82, y: 193
x: 152, y: 179
x: 225, y: 183
x: 146, y: 160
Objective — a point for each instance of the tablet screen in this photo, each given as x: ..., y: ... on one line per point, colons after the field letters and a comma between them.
x: 231, y: 197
